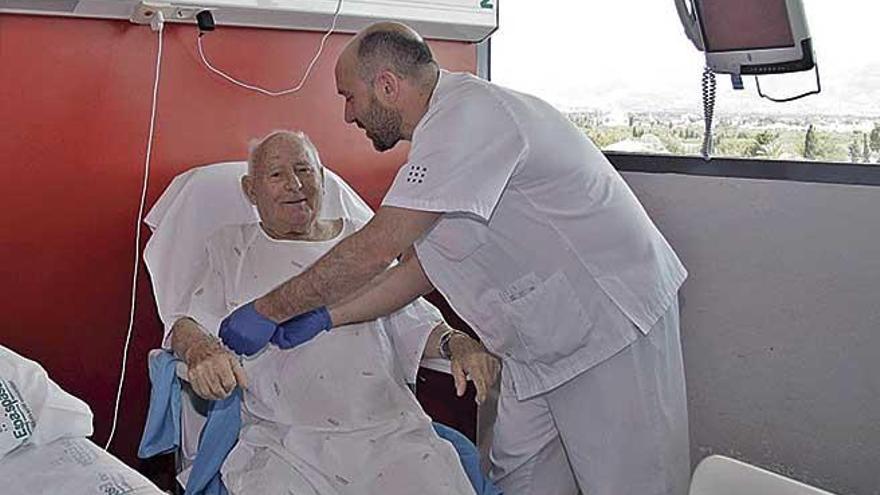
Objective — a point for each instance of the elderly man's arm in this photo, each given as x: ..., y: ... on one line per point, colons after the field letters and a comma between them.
x: 468, y: 359
x: 352, y: 263
x: 213, y: 371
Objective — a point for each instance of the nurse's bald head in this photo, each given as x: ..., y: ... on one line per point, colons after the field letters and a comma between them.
x: 389, y: 46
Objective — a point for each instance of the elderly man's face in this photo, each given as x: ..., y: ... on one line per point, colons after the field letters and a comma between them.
x: 382, y: 124
x: 287, y: 189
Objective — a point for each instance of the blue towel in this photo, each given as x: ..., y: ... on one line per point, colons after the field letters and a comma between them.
x: 470, y: 459
x: 162, y: 429
x: 219, y: 435
x: 162, y: 433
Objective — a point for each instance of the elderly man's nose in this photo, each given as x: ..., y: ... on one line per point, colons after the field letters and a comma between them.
x: 294, y: 183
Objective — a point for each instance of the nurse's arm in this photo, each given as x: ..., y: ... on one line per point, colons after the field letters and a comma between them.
x: 355, y: 261
x: 396, y: 288
x: 385, y: 294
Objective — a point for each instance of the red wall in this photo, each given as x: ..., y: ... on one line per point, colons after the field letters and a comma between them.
x: 74, y: 114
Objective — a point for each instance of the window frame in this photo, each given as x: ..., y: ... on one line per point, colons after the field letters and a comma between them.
x: 748, y: 168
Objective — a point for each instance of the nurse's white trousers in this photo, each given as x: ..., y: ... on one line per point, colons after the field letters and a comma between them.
x: 620, y: 428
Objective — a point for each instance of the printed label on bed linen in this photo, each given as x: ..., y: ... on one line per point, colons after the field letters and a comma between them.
x: 113, y: 484
x: 78, y: 451
x: 17, y: 421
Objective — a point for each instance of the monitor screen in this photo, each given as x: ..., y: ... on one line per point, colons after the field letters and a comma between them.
x: 737, y: 25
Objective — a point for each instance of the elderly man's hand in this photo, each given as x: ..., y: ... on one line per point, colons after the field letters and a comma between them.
x: 213, y: 371
x: 470, y: 359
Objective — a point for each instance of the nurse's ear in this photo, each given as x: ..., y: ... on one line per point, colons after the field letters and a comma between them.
x: 387, y: 86
x: 247, y: 186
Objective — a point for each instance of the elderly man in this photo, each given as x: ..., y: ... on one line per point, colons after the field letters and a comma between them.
x: 538, y: 243
x: 334, y: 416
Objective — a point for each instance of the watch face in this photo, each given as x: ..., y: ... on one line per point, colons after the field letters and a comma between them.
x: 444, y: 344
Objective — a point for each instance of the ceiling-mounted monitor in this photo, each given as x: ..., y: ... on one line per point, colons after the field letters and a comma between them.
x: 749, y: 36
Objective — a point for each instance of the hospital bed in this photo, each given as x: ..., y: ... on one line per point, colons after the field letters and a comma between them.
x: 196, y: 204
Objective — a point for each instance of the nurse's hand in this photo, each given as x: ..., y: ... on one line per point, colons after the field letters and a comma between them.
x: 213, y: 371
x: 246, y: 331
x: 302, y: 328
x: 469, y: 359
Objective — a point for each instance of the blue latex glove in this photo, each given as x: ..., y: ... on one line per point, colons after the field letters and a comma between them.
x: 246, y: 331
x: 302, y: 328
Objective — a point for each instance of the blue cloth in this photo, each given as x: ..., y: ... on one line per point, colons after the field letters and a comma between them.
x: 219, y: 435
x: 470, y: 459
x: 246, y: 331
x: 162, y: 429
x: 162, y: 433
x: 302, y: 328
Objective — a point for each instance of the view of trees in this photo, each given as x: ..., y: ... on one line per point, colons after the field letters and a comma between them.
x: 851, y: 140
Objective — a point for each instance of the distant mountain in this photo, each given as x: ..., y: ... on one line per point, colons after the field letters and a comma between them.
x: 855, y: 94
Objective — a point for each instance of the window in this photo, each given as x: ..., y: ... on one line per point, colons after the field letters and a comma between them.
x: 627, y: 75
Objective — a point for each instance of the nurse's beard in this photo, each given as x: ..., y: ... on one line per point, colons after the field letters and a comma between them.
x: 382, y: 126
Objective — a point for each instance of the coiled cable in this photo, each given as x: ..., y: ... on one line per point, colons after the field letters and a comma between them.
x: 709, y: 85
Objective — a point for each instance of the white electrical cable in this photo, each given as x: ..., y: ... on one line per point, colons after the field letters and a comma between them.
x: 158, y: 25
x: 267, y: 92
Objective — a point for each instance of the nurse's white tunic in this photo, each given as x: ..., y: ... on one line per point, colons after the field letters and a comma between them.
x: 547, y: 254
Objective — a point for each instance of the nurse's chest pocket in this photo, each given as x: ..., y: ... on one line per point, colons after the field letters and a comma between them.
x: 457, y: 236
x: 547, y: 316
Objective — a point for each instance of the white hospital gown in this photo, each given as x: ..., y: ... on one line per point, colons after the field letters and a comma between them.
x: 333, y: 416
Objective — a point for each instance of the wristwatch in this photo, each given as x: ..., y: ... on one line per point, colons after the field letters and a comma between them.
x: 445, y: 337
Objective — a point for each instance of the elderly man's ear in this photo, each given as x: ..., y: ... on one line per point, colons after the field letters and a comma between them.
x: 247, y: 186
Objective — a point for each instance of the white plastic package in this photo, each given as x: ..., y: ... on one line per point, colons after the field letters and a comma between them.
x: 35, y: 410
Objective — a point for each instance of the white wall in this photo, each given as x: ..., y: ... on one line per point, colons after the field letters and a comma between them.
x: 780, y: 321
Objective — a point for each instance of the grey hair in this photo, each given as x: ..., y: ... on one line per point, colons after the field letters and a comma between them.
x: 257, y: 147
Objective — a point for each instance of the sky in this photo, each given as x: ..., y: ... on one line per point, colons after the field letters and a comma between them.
x: 633, y: 54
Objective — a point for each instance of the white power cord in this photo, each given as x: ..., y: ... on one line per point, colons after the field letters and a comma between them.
x: 158, y: 25
x: 267, y: 92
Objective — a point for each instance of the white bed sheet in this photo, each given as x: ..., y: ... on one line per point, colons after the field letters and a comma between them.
x: 70, y: 466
